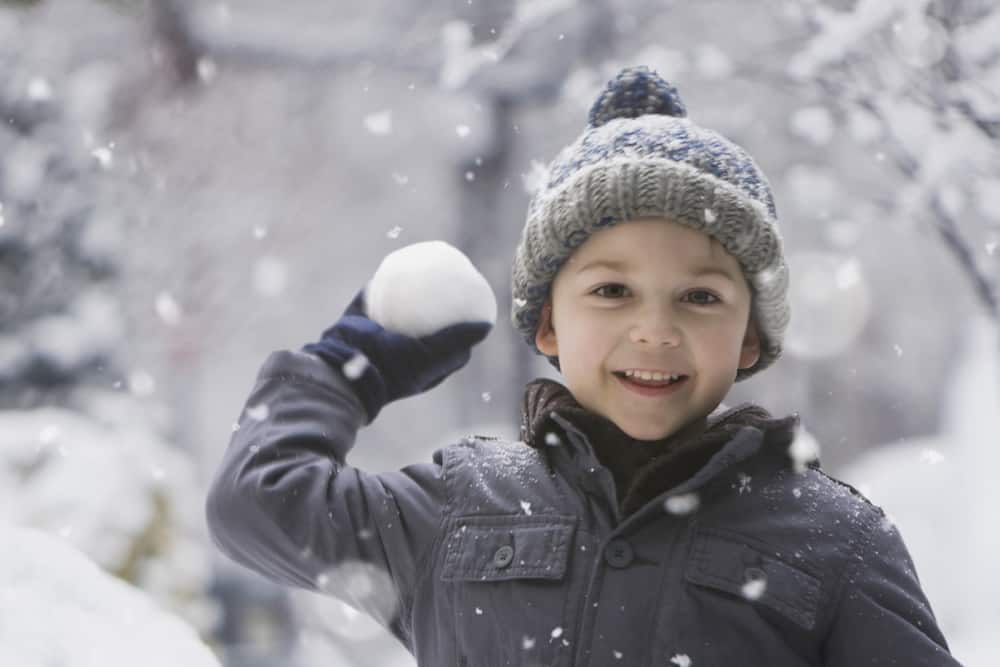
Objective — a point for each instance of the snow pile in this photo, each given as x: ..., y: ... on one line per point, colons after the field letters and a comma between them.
x: 424, y: 287
x: 942, y: 494
x: 102, y: 480
x: 58, y: 608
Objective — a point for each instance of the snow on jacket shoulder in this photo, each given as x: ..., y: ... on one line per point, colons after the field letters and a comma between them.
x: 500, y: 554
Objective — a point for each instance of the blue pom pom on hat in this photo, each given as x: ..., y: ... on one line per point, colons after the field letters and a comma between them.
x: 641, y: 156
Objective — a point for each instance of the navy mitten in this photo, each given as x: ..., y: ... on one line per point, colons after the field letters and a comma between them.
x: 397, y: 365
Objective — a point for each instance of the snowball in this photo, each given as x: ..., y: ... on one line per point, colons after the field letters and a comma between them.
x: 424, y: 287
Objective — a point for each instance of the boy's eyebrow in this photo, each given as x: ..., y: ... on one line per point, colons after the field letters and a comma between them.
x: 617, y: 265
x: 609, y: 263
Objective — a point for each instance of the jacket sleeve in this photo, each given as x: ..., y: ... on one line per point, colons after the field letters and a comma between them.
x: 883, y: 616
x: 285, y: 503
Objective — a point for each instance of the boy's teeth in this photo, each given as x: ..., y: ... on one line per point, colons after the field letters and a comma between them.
x: 652, y: 377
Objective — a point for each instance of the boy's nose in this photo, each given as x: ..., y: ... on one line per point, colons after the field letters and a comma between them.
x: 656, y: 333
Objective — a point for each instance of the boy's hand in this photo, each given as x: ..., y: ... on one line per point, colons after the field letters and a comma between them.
x: 394, y: 365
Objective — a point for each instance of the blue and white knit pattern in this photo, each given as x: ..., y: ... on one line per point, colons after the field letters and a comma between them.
x: 640, y: 156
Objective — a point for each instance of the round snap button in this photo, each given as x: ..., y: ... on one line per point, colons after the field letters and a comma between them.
x: 618, y: 553
x: 754, y: 574
x: 503, y: 556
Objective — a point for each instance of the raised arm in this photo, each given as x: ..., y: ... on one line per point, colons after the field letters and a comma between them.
x: 286, y: 504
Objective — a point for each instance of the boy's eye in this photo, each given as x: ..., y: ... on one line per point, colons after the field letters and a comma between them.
x: 711, y: 300
x: 611, y: 290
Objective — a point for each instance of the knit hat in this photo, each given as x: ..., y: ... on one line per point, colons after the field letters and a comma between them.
x: 640, y: 156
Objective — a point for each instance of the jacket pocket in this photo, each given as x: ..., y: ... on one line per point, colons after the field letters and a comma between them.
x: 730, y: 563
x: 511, y: 587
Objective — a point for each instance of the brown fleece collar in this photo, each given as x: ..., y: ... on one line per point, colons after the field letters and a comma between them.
x: 641, y: 469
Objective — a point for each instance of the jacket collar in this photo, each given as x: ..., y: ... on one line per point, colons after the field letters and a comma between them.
x: 641, y: 469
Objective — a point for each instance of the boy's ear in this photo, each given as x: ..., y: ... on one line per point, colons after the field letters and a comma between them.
x: 545, y: 335
x: 750, y: 350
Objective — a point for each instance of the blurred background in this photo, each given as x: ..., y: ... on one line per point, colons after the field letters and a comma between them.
x: 186, y: 186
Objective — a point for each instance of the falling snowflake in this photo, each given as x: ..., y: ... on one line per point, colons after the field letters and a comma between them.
x: 557, y: 632
x: 527, y: 643
x: 207, y: 69
x: 462, y: 130
x: 168, y: 309
x: 470, y: 176
x: 400, y: 179
x: 39, y: 90
x: 520, y: 303
x: 258, y: 412
x: 710, y: 215
x: 931, y: 456
x: 535, y: 178
x: 270, y: 276
x: 379, y: 123
x: 803, y: 450
x: 814, y: 124
x: 682, y: 504
x: 394, y: 232
x: 141, y: 383
x: 618, y: 654
x: 355, y: 366
x: 744, y: 481
x: 526, y: 506
x: 919, y: 41
x: 898, y: 349
x: 552, y: 440
x: 479, y: 612
x: 681, y: 660
x: 259, y: 232
x: 753, y: 589
x: 486, y: 397
x: 103, y: 156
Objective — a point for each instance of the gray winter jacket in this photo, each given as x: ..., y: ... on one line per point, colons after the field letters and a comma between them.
x: 503, y: 553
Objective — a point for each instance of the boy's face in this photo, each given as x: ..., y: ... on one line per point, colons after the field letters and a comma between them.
x: 653, y: 312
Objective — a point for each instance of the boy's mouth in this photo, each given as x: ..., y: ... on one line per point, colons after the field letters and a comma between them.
x: 637, y: 382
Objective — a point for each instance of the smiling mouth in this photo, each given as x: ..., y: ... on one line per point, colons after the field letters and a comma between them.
x: 648, y: 383
x: 650, y: 388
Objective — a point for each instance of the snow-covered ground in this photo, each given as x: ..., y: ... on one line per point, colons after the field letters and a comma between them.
x: 942, y: 493
x: 101, y: 478
x: 58, y: 608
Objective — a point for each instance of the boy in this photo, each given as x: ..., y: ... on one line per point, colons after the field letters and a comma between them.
x: 635, y: 524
